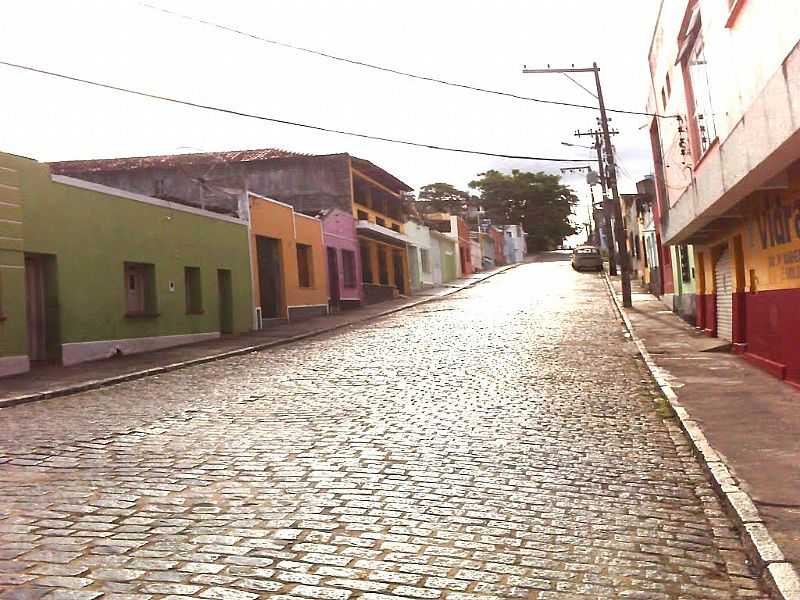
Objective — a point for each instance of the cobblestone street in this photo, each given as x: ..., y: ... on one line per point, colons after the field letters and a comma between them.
x: 503, y: 442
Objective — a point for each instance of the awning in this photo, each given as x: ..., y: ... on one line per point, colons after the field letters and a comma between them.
x: 381, y: 233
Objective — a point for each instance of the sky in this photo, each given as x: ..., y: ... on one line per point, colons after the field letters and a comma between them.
x: 479, y: 43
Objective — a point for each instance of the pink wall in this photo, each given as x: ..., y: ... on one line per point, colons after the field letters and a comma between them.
x: 339, y: 231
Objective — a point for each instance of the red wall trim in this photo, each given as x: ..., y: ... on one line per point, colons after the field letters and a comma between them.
x: 772, y: 329
x: 701, y: 310
x: 736, y: 8
x: 710, y: 322
x: 774, y: 368
x: 739, y: 318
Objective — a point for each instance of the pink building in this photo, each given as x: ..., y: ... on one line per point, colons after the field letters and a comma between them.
x: 343, y: 258
x: 726, y: 82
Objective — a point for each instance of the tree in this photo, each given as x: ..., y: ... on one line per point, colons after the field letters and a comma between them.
x: 441, y: 197
x: 537, y: 200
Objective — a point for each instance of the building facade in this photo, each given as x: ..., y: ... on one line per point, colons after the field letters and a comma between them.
x: 13, y: 328
x: 310, y: 184
x: 514, y: 246
x: 343, y: 258
x: 456, y: 229
x: 497, y: 243
x: 420, y: 254
x: 728, y: 169
x: 290, y: 278
x: 149, y: 279
x: 445, y: 255
x: 475, y: 252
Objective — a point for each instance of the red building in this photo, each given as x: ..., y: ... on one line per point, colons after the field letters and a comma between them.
x: 464, y: 252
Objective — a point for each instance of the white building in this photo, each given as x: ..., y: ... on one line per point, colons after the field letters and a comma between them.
x: 420, y: 255
x: 513, y: 243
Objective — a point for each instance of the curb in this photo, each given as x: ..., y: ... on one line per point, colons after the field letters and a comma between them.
x: 108, y: 381
x: 777, y: 574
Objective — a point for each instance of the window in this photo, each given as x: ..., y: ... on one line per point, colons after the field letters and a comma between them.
x: 380, y: 221
x: 362, y: 215
x: 140, y: 289
x: 304, y: 265
x: 396, y: 227
x: 193, y: 289
x: 366, y: 264
x: 686, y: 273
x: 349, y: 268
x: 703, y: 113
x: 425, y: 258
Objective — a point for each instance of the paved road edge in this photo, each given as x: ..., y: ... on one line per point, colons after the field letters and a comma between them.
x: 109, y: 381
x: 779, y: 576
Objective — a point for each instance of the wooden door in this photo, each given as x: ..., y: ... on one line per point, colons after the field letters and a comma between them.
x: 225, y: 290
x: 269, y: 276
x: 399, y: 275
x: 333, y: 276
x: 35, y: 308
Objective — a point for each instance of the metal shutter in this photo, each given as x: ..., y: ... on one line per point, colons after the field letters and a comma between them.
x: 724, y: 287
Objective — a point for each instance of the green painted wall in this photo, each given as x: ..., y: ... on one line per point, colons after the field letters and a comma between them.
x: 93, y: 234
x: 13, y: 327
x: 448, y: 262
x: 681, y: 286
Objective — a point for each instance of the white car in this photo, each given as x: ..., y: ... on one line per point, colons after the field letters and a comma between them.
x: 587, y: 257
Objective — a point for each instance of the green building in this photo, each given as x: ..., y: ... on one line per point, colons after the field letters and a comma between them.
x: 684, y: 299
x: 90, y: 272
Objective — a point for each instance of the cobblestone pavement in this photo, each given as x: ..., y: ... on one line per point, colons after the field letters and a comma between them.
x: 501, y: 443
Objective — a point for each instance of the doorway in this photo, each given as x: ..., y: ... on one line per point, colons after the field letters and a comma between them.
x: 41, y: 307
x: 462, y: 254
x: 723, y: 285
x: 333, y: 277
x: 399, y: 276
x: 269, y: 276
x: 225, y: 292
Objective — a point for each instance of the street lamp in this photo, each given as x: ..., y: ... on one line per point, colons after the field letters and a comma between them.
x: 577, y: 146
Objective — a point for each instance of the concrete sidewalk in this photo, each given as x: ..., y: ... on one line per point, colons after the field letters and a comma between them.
x: 750, y: 418
x: 50, y: 381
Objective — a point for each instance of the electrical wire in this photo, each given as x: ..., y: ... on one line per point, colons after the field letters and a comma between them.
x: 238, y: 113
x: 391, y: 70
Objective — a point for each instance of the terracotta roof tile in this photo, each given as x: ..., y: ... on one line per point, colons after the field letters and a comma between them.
x: 168, y: 160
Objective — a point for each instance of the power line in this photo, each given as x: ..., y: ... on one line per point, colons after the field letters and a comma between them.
x: 238, y: 113
x: 390, y: 69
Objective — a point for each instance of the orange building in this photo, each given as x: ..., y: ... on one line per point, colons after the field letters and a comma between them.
x: 290, y: 280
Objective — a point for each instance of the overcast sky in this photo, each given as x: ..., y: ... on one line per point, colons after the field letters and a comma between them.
x: 481, y: 43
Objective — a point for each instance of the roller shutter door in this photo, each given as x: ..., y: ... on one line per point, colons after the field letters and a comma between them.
x: 723, y: 283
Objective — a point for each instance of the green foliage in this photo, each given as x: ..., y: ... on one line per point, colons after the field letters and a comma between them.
x: 537, y: 200
x: 441, y: 197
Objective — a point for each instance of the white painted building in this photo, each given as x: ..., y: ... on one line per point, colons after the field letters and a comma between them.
x: 513, y: 243
x: 420, y: 255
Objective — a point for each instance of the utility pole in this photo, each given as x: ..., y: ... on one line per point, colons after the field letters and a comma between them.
x: 607, y: 208
x: 619, y: 228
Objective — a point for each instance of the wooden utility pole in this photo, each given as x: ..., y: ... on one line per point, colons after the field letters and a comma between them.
x: 607, y: 209
x: 611, y: 174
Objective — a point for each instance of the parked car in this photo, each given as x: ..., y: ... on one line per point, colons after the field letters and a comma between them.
x: 587, y: 257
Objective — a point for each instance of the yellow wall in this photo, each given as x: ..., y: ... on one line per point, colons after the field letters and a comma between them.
x: 770, y: 232
x: 373, y: 256
x: 309, y: 231
x: 279, y: 221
